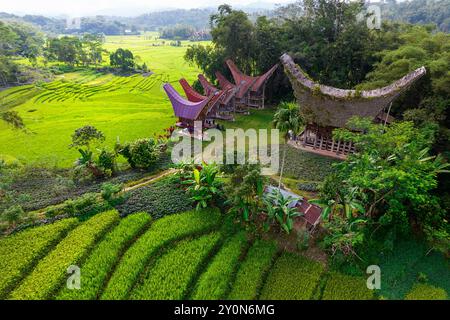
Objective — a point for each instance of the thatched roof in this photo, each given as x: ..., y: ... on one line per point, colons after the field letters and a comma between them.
x: 329, y: 106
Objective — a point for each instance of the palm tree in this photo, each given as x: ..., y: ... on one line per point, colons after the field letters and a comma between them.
x: 287, y: 119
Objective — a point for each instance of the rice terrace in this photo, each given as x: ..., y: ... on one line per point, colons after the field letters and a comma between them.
x: 93, y: 205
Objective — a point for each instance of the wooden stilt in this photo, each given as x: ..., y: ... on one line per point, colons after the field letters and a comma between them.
x: 263, y: 95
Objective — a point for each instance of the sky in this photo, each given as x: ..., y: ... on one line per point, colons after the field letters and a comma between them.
x: 76, y: 8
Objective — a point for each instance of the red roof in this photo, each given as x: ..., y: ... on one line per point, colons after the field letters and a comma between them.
x: 248, y: 82
x: 223, y: 82
x: 191, y: 94
x: 207, y: 86
x: 311, y: 212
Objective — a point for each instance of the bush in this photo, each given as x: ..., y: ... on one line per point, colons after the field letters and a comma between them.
x: 50, y: 272
x: 107, y: 162
x: 422, y: 291
x: 161, y: 198
x: 13, y: 215
x: 215, y: 282
x: 88, y: 203
x: 109, y: 190
x: 142, y: 153
x: 250, y: 276
x: 162, y: 232
x: 170, y: 277
x: 292, y: 278
x: 103, y: 258
x: 344, y: 287
x: 20, y: 251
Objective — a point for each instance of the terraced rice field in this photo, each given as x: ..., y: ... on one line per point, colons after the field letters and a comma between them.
x: 188, y: 255
x: 122, y: 107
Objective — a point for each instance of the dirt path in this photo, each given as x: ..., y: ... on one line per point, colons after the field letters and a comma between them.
x: 150, y: 179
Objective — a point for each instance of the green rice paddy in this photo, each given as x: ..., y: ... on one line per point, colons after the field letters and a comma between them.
x: 123, y: 108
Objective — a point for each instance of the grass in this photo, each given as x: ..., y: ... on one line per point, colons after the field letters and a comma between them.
x: 410, y: 263
x: 122, y: 107
x: 160, y: 234
x: 170, y: 277
x: 101, y: 261
x: 421, y: 291
x: 216, y: 281
x: 50, y: 272
x: 250, y: 276
x: 292, y: 278
x: 19, y: 252
x: 345, y: 287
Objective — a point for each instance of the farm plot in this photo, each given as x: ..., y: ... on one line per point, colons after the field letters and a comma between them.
x: 292, y: 278
x: 122, y: 107
x: 180, y: 256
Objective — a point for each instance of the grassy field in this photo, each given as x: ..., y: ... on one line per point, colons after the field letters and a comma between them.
x: 122, y: 107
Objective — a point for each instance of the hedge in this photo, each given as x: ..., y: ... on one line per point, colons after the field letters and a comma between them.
x: 250, y: 276
x: 51, y: 271
x: 215, y: 282
x: 292, y: 278
x: 163, y: 231
x: 172, y: 274
x: 19, y: 252
x: 103, y: 258
x: 422, y: 291
x: 344, y: 287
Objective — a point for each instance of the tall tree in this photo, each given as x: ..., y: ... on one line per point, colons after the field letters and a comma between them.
x: 287, y: 119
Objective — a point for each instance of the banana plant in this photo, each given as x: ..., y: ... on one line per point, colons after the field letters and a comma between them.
x: 203, y: 186
x: 278, y: 210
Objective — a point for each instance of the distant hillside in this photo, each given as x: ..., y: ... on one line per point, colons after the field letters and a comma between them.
x: 197, y: 18
x: 419, y: 12
x: 416, y: 11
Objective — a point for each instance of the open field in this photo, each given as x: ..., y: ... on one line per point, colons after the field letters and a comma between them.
x: 122, y: 107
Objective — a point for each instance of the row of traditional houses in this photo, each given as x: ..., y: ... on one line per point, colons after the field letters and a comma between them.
x: 218, y: 103
x: 322, y: 107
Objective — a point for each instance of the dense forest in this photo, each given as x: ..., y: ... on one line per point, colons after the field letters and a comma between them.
x: 419, y: 12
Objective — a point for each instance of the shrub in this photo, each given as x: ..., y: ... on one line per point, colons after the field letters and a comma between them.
x: 107, y: 162
x: 292, y: 277
x: 13, y: 215
x: 142, y: 153
x: 50, y: 272
x: 109, y: 190
x: 88, y: 203
x: 250, y: 276
x: 422, y: 291
x: 344, y: 287
x: 162, y: 232
x: 20, y: 251
x: 102, y: 259
x: 214, y: 283
x: 170, y: 277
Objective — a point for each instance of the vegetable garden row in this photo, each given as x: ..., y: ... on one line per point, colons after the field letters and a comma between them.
x: 191, y: 255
